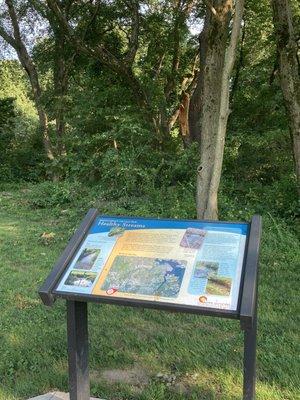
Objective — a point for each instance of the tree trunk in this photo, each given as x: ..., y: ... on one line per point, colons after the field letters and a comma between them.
x: 17, y: 43
x: 60, y: 78
x: 183, y: 119
x: 289, y: 71
x: 209, y: 107
x: 36, y: 90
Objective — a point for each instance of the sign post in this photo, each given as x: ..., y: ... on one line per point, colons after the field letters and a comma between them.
x: 77, y: 327
x: 250, y: 361
x: 201, y: 267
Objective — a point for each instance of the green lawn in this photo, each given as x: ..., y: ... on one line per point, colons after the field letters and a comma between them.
x: 129, y: 347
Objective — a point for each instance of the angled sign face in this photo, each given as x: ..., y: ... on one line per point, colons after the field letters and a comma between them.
x: 192, y: 265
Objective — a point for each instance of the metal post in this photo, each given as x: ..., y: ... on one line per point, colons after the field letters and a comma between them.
x: 77, y: 330
x: 250, y: 361
x: 248, y: 310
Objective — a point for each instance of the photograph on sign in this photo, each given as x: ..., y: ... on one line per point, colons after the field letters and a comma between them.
x: 172, y: 261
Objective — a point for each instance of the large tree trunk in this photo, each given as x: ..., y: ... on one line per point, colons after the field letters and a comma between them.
x: 36, y: 90
x: 209, y: 107
x: 289, y: 69
x: 17, y: 43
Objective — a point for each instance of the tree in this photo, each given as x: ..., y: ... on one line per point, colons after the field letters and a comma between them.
x: 209, y: 108
x: 16, y: 41
x: 146, y: 48
x: 289, y: 72
x: 61, y: 63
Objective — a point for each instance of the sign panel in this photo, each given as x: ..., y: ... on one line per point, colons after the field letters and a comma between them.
x: 172, y: 261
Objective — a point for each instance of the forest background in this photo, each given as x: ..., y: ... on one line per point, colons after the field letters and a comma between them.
x: 128, y: 106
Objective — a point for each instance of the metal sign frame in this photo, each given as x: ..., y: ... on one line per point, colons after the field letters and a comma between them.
x: 77, y: 322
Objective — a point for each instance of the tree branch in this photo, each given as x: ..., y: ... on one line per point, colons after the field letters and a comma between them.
x: 14, y: 20
x: 134, y: 37
x: 181, y: 13
x: 240, y: 63
x: 8, y: 38
x: 119, y: 66
x: 235, y: 35
x: 94, y: 15
x: 159, y: 66
x: 211, y: 7
x: 98, y: 52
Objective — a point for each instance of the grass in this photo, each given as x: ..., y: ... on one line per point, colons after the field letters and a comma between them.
x: 204, y: 354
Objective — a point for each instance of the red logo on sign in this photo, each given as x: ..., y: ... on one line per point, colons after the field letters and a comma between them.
x: 111, y: 291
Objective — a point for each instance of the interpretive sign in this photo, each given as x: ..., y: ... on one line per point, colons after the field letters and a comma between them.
x: 180, y: 262
x: 202, y: 267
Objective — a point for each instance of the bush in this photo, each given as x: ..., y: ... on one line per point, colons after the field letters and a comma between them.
x: 57, y: 194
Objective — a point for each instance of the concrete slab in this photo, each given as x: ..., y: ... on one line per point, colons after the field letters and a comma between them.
x: 55, y: 396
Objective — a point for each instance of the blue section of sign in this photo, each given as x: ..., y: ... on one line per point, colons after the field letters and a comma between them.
x: 113, y: 224
x: 195, y: 262
x: 197, y: 286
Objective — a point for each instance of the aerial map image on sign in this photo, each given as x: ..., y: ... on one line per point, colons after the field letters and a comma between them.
x: 144, y: 275
x: 172, y: 261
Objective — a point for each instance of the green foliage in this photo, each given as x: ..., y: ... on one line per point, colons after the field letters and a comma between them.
x: 7, y: 115
x: 7, y: 121
x: 20, y: 147
x: 109, y: 141
x: 13, y: 82
x: 60, y: 194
